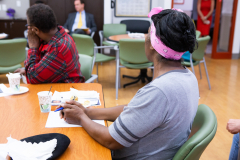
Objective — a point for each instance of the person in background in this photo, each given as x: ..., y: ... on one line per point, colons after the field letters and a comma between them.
x: 233, y: 126
x: 52, y: 55
x: 205, y: 9
x: 80, y: 22
x: 39, y: 2
x: 158, y: 120
x: 194, y: 15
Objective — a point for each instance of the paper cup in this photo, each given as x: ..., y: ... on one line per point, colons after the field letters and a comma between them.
x: 14, y: 81
x: 45, y: 101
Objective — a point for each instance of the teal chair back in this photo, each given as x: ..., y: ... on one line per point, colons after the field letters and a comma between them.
x: 86, y: 65
x: 12, y: 52
x: 84, y: 44
x: 203, y: 130
x: 132, y: 51
x: 114, y: 29
x: 198, y: 34
x: 198, y: 54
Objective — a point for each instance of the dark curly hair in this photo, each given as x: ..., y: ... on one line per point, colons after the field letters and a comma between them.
x: 42, y: 16
x: 38, y: 2
x: 176, y: 30
x: 81, y: 1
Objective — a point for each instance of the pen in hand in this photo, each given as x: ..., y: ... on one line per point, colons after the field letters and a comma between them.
x: 59, y: 109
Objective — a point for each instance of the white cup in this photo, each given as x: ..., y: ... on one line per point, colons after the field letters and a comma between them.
x: 14, y: 81
x: 45, y: 99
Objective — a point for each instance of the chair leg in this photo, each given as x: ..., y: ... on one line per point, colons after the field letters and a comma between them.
x: 119, y: 78
x: 192, y: 64
x: 205, y: 66
x: 125, y: 85
x: 200, y: 71
x: 97, y: 70
x: 117, y: 74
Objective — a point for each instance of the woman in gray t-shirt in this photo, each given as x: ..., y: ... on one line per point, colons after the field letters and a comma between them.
x: 158, y: 120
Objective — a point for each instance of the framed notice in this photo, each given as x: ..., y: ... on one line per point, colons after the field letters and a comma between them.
x: 132, y: 8
x: 178, y: 1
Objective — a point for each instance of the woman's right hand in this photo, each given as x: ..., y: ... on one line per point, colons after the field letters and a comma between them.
x: 72, y: 102
x: 21, y: 71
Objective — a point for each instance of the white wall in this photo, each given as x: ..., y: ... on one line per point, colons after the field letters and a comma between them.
x: 20, y: 10
x: 109, y: 13
x: 236, y: 38
x: 187, y: 7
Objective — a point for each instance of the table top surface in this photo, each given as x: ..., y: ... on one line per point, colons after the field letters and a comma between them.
x: 116, y: 38
x: 20, y: 117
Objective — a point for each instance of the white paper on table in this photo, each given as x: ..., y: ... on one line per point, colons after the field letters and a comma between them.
x: 91, y: 96
x: 54, y: 121
x: 4, y: 89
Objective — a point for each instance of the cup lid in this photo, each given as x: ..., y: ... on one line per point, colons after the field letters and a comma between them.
x: 44, y: 93
x: 13, y: 75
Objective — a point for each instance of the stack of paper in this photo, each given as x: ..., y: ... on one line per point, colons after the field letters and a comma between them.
x: 92, y: 97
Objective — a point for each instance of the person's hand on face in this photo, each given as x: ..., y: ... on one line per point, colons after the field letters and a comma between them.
x: 33, y: 39
x: 21, y: 71
x: 72, y: 112
x: 233, y: 126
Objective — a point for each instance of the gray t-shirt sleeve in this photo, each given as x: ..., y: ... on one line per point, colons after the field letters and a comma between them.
x: 145, y: 112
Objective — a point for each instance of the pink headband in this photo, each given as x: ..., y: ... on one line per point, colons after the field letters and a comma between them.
x: 157, y: 44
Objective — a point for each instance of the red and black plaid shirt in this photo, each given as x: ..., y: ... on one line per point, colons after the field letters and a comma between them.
x: 54, y: 62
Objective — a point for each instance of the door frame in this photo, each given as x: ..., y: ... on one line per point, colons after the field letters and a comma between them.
x: 223, y: 55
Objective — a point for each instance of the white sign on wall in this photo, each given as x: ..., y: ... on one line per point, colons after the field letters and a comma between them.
x: 132, y: 8
x: 179, y: 1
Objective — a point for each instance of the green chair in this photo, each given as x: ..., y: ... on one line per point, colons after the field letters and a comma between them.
x: 85, y: 45
x: 204, y: 129
x: 12, y: 53
x: 198, y: 57
x: 86, y: 68
x: 198, y: 34
x: 110, y: 30
x: 131, y: 54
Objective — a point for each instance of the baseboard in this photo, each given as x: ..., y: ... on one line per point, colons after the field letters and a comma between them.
x: 235, y: 56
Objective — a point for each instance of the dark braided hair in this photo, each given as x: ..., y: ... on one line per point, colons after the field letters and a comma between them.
x: 176, y: 30
x: 42, y: 16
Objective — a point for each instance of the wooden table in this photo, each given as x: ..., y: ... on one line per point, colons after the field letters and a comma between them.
x: 20, y: 117
x: 116, y: 38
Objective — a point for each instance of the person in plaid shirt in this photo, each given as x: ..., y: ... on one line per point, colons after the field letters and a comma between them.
x: 52, y: 55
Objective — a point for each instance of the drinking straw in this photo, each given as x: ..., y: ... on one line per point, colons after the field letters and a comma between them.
x: 49, y: 90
